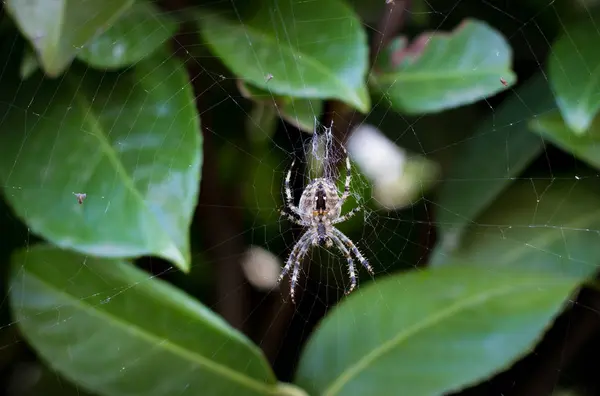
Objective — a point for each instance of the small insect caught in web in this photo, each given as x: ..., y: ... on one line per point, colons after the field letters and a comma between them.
x: 503, y: 81
x: 80, y: 197
x: 268, y: 77
x: 319, y: 210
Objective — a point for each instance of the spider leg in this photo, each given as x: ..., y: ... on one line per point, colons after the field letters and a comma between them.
x: 292, y: 218
x: 302, y: 251
x: 348, y: 215
x: 351, y: 269
x: 290, y: 261
x: 289, y: 198
x: 294, y: 258
x: 346, y: 192
x: 363, y: 261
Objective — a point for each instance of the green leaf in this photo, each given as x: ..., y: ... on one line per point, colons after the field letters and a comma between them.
x: 488, y: 161
x: 432, y: 331
x: 299, y: 112
x: 553, y: 128
x: 139, y: 32
x: 440, y: 71
x: 574, y: 73
x: 307, y: 57
x: 116, y: 330
x: 58, y: 29
x: 130, y: 142
x: 540, y: 224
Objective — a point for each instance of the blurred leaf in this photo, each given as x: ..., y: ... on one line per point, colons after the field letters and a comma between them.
x: 116, y: 330
x: 431, y: 331
x: 299, y: 112
x: 439, y: 71
x: 58, y: 29
x: 39, y: 381
x: 544, y: 225
x: 262, y: 193
x: 130, y: 142
x: 574, y: 73
x: 421, y: 12
x: 29, y: 63
x: 140, y: 31
x: 585, y: 5
x: 488, y: 161
x: 586, y: 147
x: 261, y: 123
x: 307, y: 57
x: 285, y: 389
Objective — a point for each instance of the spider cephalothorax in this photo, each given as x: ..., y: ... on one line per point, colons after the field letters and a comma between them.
x: 319, y: 209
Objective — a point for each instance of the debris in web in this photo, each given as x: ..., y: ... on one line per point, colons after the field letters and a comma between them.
x: 80, y: 197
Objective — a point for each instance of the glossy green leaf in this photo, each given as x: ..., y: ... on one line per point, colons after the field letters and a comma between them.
x: 586, y: 146
x: 574, y: 72
x: 439, y: 71
x: 299, y: 112
x: 58, y: 29
x: 116, y: 330
x: 541, y: 224
x: 432, y: 331
x: 130, y: 142
x: 140, y: 31
x: 307, y: 57
x: 489, y: 160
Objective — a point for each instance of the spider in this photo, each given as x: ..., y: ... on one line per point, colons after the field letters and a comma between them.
x: 318, y: 211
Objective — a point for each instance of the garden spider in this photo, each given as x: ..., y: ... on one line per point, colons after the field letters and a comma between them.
x: 318, y: 211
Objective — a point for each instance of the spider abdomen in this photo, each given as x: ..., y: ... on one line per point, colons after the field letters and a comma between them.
x: 319, y: 201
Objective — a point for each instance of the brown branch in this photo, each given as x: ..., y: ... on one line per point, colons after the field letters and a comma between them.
x: 222, y: 237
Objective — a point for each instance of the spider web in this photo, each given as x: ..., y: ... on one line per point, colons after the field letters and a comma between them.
x: 392, y: 239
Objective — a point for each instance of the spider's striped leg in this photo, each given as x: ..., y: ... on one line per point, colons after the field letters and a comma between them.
x: 346, y: 193
x: 351, y: 270
x: 363, y: 261
x: 289, y: 198
x: 348, y: 215
x: 292, y: 218
x: 297, y: 264
x: 306, y: 238
x: 301, y: 246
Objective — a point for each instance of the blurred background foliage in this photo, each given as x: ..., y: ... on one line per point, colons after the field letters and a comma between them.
x: 143, y: 148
